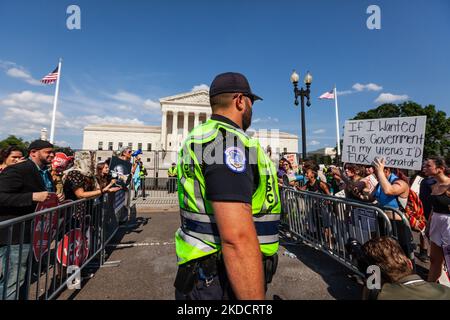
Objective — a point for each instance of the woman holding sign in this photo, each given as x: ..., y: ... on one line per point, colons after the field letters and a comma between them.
x: 392, y: 191
x: 393, y: 188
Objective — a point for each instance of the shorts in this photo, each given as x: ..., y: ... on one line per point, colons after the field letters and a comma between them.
x: 440, y: 229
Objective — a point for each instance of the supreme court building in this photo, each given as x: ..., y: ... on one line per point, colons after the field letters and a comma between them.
x: 160, y: 144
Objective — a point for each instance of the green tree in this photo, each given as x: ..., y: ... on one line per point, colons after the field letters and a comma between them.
x: 20, y: 143
x: 13, y: 140
x: 437, y: 130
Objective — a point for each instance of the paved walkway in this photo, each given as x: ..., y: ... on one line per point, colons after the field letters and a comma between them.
x: 146, y: 251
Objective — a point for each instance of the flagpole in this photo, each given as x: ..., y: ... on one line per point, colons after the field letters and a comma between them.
x: 337, y: 123
x: 55, y: 102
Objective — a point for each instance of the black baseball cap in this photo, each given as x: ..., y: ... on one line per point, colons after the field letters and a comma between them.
x: 230, y: 82
x: 39, y: 144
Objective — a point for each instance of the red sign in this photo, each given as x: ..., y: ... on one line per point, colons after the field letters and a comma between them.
x: 43, y: 227
x: 74, y: 248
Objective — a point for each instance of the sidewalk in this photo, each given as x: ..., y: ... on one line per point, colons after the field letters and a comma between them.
x: 147, y: 267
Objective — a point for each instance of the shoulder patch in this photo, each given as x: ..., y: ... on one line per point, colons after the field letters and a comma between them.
x: 235, y: 159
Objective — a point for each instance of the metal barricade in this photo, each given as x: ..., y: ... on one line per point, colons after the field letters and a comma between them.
x: 157, y: 188
x: 43, y: 253
x: 401, y: 230
x: 327, y: 222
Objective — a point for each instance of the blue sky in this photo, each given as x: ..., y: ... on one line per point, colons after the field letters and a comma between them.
x: 129, y: 54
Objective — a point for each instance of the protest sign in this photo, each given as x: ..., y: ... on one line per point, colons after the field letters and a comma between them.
x: 44, y: 226
x: 398, y: 140
x: 292, y: 158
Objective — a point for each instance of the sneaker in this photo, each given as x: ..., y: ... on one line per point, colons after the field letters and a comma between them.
x: 422, y: 256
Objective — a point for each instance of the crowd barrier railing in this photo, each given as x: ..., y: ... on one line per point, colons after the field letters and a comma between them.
x: 157, y: 188
x: 45, y: 252
x: 401, y: 230
x: 327, y: 223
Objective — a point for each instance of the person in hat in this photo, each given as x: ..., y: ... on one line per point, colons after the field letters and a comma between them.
x: 126, y: 153
x: 22, y: 186
x: 229, y: 202
x: 172, y: 174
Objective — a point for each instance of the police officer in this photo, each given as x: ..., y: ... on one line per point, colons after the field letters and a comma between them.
x: 229, y: 202
x: 172, y: 174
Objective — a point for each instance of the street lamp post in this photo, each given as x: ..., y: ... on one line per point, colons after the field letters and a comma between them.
x: 302, y: 93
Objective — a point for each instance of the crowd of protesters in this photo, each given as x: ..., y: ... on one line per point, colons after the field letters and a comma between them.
x: 386, y: 187
x: 30, y: 177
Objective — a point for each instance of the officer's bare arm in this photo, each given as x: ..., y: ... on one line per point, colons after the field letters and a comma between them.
x: 240, y: 248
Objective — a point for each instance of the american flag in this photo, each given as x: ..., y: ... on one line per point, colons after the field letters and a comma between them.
x: 51, y: 77
x: 327, y: 95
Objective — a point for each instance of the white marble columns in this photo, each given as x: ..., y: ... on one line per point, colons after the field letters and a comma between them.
x: 196, y: 118
x: 185, y: 124
x: 164, y: 130
x: 175, y: 129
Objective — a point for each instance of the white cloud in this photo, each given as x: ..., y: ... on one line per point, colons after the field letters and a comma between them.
x: 27, y: 112
x: 82, y: 121
x: 24, y: 75
x: 152, y: 105
x: 390, y: 98
x: 27, y: 99
x: 134, y: 101
x: 358, y: 87
x: 373, y: 87
x: 319, y: 131
x: 126, y: 97
x: 200, y: 87
x: 313, y: 143
x: 345, y: 92
x: 26, y: 116
x: 125, y: 108
x: 265, y: 120
x: 366, y: 87
x: 15, y: 71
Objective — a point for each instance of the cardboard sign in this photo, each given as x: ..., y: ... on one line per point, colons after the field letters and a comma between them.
x: 398, y: 140
x: 43, y: 227
x: 121, y: 171
x: 416, y: 185
x: 74, y: 248
x: 292, y: 158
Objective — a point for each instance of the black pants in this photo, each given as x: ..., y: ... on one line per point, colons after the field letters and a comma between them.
x: 172, y: 184
x: 218, y: 287
x: 142, y: 187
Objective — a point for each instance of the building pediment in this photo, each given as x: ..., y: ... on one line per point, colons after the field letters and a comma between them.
x: 194, y: 98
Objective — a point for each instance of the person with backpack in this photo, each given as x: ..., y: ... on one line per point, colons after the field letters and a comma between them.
x: 393, y: 191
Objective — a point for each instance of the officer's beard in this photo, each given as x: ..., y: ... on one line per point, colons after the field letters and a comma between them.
x: 247, y: 117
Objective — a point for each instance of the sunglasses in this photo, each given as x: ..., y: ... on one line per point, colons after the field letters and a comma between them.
x: 252, y: 98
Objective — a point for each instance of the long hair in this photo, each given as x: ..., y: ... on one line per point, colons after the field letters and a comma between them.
x: 389, y: 256
x: 439, y: 162
x: 6, y: 152
x: 400, y: 174
x: 102, y: 181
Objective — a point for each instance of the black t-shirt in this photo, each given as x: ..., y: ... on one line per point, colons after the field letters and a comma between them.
x: 234, y: 178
